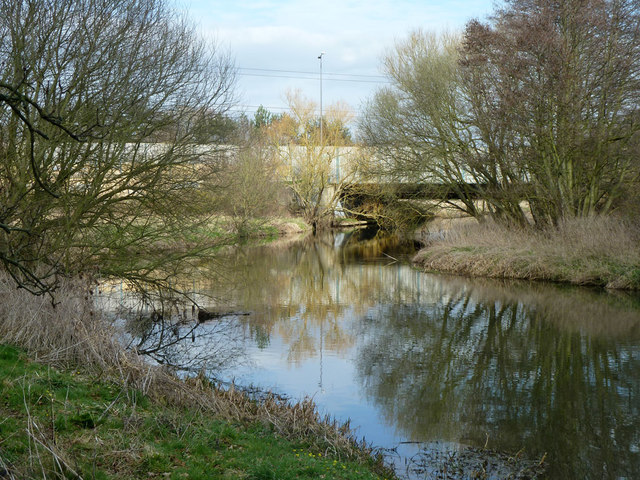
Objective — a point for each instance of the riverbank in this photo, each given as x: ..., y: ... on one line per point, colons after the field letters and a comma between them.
x: 230, y: 231
x: 279, y: 227
x: 602, y: 252
x: 74, y: 424
x: 89, y: 409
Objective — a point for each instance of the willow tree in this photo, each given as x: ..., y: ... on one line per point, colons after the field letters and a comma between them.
x: 99, y: 102
x: 423, y: 129
x: 317, y: 169
x: 417, y: 125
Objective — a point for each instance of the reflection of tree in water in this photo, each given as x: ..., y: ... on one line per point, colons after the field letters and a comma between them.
x: 162, y: 324
x: 309, y: 294
x: 188, y: 346
x: 453, y: 359
x: 304, y: 292
x: 462, y: 370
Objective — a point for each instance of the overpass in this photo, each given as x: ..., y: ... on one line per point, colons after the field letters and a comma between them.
x: 343, y: 167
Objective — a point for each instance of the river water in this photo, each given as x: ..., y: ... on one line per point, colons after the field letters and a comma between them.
x: 431, y: 363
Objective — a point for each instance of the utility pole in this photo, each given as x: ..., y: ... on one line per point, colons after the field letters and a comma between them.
x: 320, y: 58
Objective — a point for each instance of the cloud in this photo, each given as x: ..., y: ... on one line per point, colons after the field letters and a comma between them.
x: 289, y: 35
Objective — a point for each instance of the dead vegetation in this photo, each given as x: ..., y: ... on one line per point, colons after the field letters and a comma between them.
x: 599, y: 251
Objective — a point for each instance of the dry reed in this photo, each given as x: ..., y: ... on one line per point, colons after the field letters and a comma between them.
x: 603, y: 251
x: 65, y: 331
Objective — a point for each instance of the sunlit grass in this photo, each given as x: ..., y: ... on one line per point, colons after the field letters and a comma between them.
x: 58, y: 423
x: 602, y: 251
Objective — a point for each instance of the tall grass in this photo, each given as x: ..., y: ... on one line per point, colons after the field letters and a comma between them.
x: 603, y: 251
x: 65, y: 331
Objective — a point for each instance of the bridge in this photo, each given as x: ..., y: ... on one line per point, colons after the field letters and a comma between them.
x: 343, y: 168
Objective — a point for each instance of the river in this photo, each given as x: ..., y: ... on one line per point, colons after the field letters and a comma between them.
x: 425, y: 365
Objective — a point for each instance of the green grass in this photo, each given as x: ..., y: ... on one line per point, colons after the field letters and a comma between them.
x: 224, y: 230
x: 56, y: 424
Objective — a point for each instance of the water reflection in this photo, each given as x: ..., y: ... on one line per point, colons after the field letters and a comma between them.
x: 164, y: 327
x: 477, y: 366
x: 307, y: 293
x: 419, y: 357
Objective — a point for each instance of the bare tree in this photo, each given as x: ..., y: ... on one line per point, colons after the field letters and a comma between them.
x: 538, y: 105
x: 253, y: 189
x: 100, y: 104
x: 561, y: 80
x: 313, y: 165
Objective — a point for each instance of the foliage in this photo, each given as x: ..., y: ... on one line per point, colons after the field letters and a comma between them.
x: 263, y: 118
x: 101, y: 104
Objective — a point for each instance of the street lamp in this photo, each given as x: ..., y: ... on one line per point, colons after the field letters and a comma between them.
x: 320, y: 58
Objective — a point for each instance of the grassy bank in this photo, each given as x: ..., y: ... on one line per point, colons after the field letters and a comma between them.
x: 68, y: 424
x: 87, y: 408
x: 226, y: 230
x: 596, y: 251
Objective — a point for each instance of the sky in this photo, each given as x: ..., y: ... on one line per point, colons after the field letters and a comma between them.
x: 276, y: 44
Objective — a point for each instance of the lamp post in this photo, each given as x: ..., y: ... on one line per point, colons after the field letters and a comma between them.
x: 320, y: 58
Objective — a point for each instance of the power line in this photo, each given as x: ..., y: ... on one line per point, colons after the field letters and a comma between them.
x: 309, y: 78
x: 263, y: 106
x: 245, y: 109
x: 284, y: 107
x: 252, y: 108
x: 304, y: 75
x: 382, y: 77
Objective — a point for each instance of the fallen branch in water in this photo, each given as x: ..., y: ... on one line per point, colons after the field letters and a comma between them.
x: 205, y: 315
